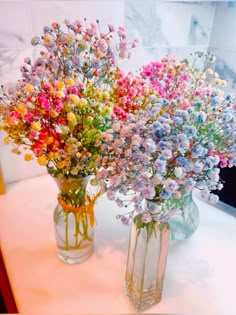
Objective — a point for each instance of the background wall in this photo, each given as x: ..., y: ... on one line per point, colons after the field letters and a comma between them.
x: 163, y: 27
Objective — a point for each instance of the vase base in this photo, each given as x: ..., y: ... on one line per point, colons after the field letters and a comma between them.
x: 74, y: 256
x: 149, y: 298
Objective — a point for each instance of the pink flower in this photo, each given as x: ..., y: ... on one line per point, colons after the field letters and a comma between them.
x: 121, y: 32
x: 102, y: 45
x: 28, y: 117
x: 111, y: 27
x: 55, y: 25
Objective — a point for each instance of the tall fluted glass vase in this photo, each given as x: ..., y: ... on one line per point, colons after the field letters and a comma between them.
x: 148, y: 247
x: 185, y: 221
x: 74, y: 219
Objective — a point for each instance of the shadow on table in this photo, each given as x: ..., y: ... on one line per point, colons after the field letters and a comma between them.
x: 3, y: 309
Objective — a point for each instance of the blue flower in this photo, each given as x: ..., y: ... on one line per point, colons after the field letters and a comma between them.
x: 198, y: 151
x: 228, y: 114
x: 165, y: 194
x: 160, y: 165
x: 182, y: 161
x: 201, y: 117
x: 178, y: 121
x: 215, y: 101
x: 197, y: 167
x: 228, y: 97
x: 190, y: 131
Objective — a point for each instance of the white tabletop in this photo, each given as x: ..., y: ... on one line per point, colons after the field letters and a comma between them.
x: 200, y: 273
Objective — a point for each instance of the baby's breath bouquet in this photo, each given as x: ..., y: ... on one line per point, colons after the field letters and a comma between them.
x: 58, y: 112
x: 171, y: 142
x: 60, y: 106
x: 174, y: 142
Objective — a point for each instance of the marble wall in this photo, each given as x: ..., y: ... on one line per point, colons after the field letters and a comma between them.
x: 163, y: 27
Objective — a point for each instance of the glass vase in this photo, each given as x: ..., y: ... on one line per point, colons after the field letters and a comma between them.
x: 148, y: 247
x: 186, y: 219
x: 74, y: 219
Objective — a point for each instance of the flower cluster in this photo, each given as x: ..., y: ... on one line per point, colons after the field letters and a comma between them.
x: 80, y: 51
x: 168, y: 77
x: 129, y: 93
x: 61, y: 106
x: 168, y: 148
x: 61, y: 124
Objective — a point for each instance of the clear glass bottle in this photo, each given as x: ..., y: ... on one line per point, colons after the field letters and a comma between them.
x: 74, y: 219
x: 148, y: 248
x: 186, y: 220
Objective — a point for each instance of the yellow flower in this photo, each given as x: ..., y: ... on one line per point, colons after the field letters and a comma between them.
x: 36, y: 125
x: 83, y: 102
x: 105, y: 95
x: 60, y: 94
x: 74, y: 99
x: 7, y: 140
x: 60, y: 85
x: 49, y: 140
x: 47, y: 39
x: 28, y: 88
x: 67, y: 107
x: 70, y: 82
x: 42, y: 160
x: 61, y: 164
x: 53, y: 113
x: 22, y: 109
x: 106, y: 110
x: 56, y: 155
x: 71, y: 117
x: 28, y: 157
x: 50, y: 155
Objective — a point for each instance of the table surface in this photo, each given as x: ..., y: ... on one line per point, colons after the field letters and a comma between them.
x: 200, y: 272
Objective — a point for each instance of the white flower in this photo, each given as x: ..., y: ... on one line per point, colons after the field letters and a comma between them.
x: 178, y: 172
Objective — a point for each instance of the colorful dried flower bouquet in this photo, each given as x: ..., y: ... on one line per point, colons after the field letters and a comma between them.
x: 58, y: 111
x: 156, y: 153
x: 150, y: 138
x: 61, y: 105
x: 174, y: 142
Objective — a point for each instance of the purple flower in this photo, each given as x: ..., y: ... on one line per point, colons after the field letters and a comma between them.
x: 171, y: 185
x: 47, y: 29
x: 115, y: 180
x: 111, y: 195
x: 148, y: 192
x: 124, y: 220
